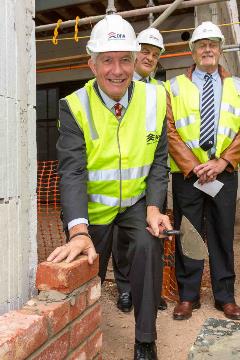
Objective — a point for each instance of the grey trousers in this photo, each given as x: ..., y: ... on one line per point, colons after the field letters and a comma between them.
x: 144, y: 255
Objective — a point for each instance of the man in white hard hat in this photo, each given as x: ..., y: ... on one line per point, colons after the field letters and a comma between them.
x: 113, y: 167
x: 152, y: 47
x: 204, y: 143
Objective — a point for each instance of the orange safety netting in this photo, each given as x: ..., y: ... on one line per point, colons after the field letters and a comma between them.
x: 50, y: 230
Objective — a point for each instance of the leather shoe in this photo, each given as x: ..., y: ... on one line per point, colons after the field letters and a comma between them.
x: 162, y: 304
x: 125, y: 302
x: 183, y: 310
x: 231, y: 310
x: 145, y: 351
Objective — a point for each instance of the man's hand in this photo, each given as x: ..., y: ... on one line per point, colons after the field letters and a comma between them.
x: 208, y: 171
x: 79, y: 245
x: 157, y: 222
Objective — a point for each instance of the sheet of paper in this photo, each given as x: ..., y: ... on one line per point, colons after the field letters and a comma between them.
x: 211, y: 188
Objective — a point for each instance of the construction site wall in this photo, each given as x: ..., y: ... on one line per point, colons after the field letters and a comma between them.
x: 18, y: 220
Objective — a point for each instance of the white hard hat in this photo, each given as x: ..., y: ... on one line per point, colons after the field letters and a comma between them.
x: 207, y: 30
x: 112, y: 33
x: 151, y: 36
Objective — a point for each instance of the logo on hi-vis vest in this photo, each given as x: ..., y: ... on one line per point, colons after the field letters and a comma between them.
x: 115, y: 36
x: 152, y: 138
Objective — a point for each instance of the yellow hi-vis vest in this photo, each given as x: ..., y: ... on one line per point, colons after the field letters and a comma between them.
x: 156, y: 82
x: 119, y: 153
x: 185, y: 101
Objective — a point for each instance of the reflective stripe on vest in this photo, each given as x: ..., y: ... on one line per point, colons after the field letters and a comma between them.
x: 113, y: 201
x: 84, y: 100
x: 151, y: 109
x: 227, y: 132
x: 193, y: 144
x: 174, y: 86
x: 231, y: 109
x: 184, y: 121
x: 124, y: 174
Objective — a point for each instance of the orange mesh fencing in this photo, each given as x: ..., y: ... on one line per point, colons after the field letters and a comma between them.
x: 50, y: 229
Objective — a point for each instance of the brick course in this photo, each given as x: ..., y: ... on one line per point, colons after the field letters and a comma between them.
x: 56, y: 325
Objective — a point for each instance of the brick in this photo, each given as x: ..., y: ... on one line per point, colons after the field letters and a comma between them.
x: 57, y: 350
x: 91, y: 348
x: 85, y: 326
x: 94, y: 291
x: 65, y: 277
x: 56, y: 313
x: 77, y: 305
x: 21, y: 334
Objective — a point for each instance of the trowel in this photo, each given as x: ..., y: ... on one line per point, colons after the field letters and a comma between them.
x: 192, y: 243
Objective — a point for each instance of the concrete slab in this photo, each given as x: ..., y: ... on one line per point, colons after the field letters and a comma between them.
x: 218, y: 339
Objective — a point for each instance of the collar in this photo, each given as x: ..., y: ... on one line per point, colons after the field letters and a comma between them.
x: 200, y: 74
x: 222, y: 72
x: 137, y: 77
x: 110, y: 102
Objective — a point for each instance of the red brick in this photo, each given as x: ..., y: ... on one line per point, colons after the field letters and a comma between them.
x: 94, y: 344
x: 56, y: 313
x: 57, y: 350
x: 21, y: 334
x: 89, y: 349
x: 94, y: 291
x: 77, y: 305
x: 85, y: 326
x: 65, y: 277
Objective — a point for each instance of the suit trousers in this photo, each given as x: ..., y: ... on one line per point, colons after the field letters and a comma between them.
x: 121, y: 267
x: 215, y: 218
x: 144, y: 256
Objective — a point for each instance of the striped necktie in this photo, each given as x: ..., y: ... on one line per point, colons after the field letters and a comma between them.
x: 206, y: 140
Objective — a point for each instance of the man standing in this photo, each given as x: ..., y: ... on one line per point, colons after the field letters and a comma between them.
x: 112, y: 154
x: 152, y: 47
x: 204, y: 143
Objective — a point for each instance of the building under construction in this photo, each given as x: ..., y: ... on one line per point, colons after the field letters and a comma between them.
x: 43, y: 58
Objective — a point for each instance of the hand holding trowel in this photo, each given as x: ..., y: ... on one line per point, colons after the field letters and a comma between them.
x: 192, y: 243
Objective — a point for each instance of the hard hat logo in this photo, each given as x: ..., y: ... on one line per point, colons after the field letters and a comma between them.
x: 153, y: 37
x: 114, y: 36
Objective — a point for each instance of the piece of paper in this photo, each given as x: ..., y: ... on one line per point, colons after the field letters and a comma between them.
x: 210, y: 188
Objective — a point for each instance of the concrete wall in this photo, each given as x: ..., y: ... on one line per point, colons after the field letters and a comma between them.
x: 17, y: 153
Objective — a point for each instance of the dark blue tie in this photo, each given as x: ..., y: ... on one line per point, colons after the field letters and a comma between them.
x: 206, y: 140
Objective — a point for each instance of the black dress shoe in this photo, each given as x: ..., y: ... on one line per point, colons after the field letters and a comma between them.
x: 125, y: 302
x: 145, y: 351
x: 162, y: 304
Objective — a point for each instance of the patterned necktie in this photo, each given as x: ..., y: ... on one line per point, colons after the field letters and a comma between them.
x: 206, y: 140
x: 118, y: 110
